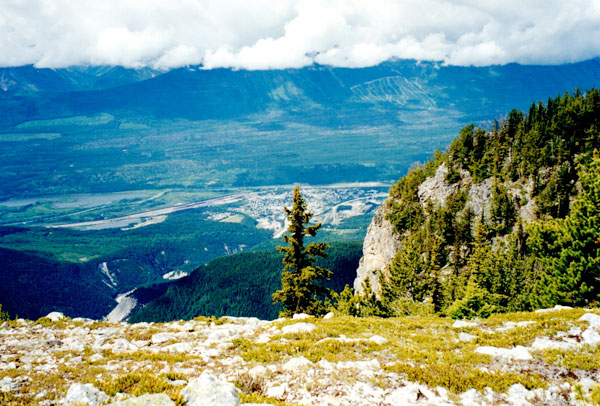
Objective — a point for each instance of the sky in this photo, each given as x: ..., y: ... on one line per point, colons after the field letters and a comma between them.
x: 276, y: 34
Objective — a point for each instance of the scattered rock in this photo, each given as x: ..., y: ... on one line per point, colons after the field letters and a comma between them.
x: 278, y: 391
x: 298, y: 328
x: 545, y: 343
x: 55, y: 316
x: 258, y: 371
x: 177, y: 348
x: 7, y: 384
x: 591, y: 337
x: 592, y: 319
x: 160, y: 338
x: 209, y: 391
x: 156, y: 399
x: 519, y: 353
x: 122, y: 345
x: 509, y: 325
x: 301, y: 316
x: 463, y: 324
x: 553, y: 309
x: 86, y: 394
x: 96, y: 357
x: 378, y: 339
x: 413, y: 393
x: 296, y: 364
x: 466, y: 337
x: 328, y: 316
x: 53, y: 343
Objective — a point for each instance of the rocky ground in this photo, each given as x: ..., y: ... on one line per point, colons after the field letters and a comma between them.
x: 543, y: 358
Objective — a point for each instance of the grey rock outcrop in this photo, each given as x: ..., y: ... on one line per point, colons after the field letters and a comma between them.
x: 436, y: 188
x: 379, y: 247
x: 157, y: 399
x: 209, y: 391
x: 86, y: 394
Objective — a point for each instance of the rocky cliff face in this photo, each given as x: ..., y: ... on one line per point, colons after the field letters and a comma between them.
x: 381, y: 241
x: 379, y: 247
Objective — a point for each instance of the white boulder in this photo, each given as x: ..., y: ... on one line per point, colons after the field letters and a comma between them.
x: 123, y: 345
x: 378, y: 340
x: 553, y: 309
x: 300, y: 316
x: 160, y: 338
x: 86, y: 394
x: 466, y: 337
x: 7, y: 384
x: 156, y: 399
x: 591, y: 337
x: 298, y: 328
x: 328, y: 316
x: 55, y: 316
x: 278, y: 391
x: 519, y: 353
x: 545, y: 343
x: 207, y: 390
x: 592, y: 319
x: 463, y: 324
x: 296, y: 364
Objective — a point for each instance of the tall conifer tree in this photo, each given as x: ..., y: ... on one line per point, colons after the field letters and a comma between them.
x: 300, y: 291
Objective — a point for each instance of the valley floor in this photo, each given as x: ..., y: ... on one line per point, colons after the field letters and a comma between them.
x: 542, y: 358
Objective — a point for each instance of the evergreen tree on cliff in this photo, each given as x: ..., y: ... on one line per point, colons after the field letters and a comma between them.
x: 572, y: 275
x: 300, y: 291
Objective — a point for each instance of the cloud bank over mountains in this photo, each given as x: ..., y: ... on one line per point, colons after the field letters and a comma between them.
x: 272, y: 34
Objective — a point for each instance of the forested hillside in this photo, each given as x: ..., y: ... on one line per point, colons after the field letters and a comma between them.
x: 241, y: 285
x: 32, y: 286
x: 508, y: 219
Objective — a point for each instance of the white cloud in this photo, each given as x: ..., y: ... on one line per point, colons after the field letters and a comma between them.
x: 263, y: 34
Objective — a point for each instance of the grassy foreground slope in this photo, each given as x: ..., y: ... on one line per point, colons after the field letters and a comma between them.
x: 542, y: 358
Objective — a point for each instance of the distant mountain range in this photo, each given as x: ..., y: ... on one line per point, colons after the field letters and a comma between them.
x: 197, y: 94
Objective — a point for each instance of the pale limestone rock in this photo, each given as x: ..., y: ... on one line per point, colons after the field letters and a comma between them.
x: 157, y: 399
x: 86, y: 394
x: 301, y: 316
x: 296, y: 364
x: 7, y: 384
x: 463, y: 324
x: 591, y: 337
x: 436, y: 188
x: 416, y: 394
x: 480, y: 197
x: 96, y: 357
x: 177, y: 348
x: 277, y: 391
x: 545, y: 343
x: 258, y: 371
x: 509, y: 325
x: 298, y: 328
x: 592, y: 319
x: 466, y: 337
x: 55, y: 316
x: 328, y: 316
x: 379, y: 248
x: 519, y: 353
x: 553, y: 309
x: 209, y: 391
x: 378, y: 340
x: 160, y: 338
x: 122, y: 345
